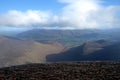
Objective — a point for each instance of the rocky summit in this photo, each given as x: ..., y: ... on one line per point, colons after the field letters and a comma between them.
x: 63, y: 71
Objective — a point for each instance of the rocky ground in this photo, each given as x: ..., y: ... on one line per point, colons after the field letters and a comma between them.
x: 63, y: 71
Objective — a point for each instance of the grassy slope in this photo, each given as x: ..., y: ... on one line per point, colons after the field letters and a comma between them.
x: 14, y: 51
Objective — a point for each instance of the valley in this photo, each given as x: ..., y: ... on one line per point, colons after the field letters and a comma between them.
x: 41, y: 46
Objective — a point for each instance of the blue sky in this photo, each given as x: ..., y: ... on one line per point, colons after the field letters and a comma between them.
x: 113, y: 2
x: 24, y: 5
x: 80, y: 14
x: 53, y: 5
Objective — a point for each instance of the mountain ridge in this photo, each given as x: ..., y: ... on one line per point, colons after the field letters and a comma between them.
x: 89, y: 52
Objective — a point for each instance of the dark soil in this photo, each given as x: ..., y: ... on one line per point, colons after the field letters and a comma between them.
x: 63, y: 71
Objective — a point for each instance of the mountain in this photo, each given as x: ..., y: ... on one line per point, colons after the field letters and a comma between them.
x: 67, y: 37
x: 14, y: 51
x: 92, y: 51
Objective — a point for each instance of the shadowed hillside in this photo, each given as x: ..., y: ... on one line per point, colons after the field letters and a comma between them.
x: 91, y: 51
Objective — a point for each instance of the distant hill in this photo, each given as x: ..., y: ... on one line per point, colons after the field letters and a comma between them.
x: 14, y: 51
x: 69, y: 37
x: 92, y: 51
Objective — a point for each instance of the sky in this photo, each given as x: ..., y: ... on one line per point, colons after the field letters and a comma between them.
x: 60, y: 14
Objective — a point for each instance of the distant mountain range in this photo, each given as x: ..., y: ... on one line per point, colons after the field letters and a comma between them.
x: 69, y: 37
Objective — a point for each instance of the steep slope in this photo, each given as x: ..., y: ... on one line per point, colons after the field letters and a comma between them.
x: 15, y: 51
x: 92, y: 51
x: 90, y: 47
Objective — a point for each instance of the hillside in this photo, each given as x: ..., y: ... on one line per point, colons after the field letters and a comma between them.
x: 63, y: 71
x: 91, y: 51
x: 15, y: 51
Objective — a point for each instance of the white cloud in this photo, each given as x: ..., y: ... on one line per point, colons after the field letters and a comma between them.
x: 28, y: 18
x: 90, y: 14
x: 77, y: 14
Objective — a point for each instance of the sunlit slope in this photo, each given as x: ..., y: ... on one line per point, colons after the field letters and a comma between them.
x: 15, y: 51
